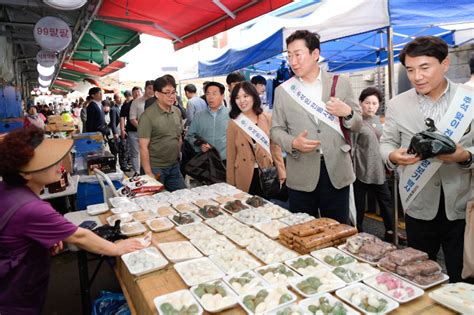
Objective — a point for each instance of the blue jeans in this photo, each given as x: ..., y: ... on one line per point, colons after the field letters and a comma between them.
x: 170, y: 177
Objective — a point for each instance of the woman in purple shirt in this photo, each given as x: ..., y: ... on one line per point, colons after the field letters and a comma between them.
x: 30, y: 229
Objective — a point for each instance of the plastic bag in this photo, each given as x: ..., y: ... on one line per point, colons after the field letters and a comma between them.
x: 110, y: 303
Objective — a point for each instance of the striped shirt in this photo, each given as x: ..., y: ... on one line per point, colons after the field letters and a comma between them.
x: 435, y: 109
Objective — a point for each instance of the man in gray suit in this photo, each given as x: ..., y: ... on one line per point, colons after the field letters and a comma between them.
x: 318, y: 162
x: 436, y: 216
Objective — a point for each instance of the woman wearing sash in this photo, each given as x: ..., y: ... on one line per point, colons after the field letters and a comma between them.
x: 245, y: 153
x: 368, y: 164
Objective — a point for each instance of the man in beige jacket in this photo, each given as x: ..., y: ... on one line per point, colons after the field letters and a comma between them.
x: 319, y: 167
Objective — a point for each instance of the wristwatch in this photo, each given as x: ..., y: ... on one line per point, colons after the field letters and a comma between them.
x: 468, y: 162
x: 348, y: 117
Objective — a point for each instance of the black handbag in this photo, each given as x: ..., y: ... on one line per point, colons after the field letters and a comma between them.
x: 269, y: 182
x: 431, y: 142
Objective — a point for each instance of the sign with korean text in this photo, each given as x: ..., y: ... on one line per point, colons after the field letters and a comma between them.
x: 254, y: 132
x: 52, y: 33
x: 453, y: 124
x: 46, y: 58
x: 305, y: 98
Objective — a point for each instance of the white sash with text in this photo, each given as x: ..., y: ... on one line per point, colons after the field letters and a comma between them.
x: 453, y: 124
x: 306, y: 98
x: 254, y: 132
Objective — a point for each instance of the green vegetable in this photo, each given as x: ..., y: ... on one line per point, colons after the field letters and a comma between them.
x: 326, y: 308
x: 347, y: 275
x: 303, y: 263
x: 309, y: 286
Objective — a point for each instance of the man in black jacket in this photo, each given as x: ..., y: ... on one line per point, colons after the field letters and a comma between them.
x: 95, y: 115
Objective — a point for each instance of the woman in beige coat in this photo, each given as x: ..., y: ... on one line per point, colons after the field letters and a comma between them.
x: 242, y: 170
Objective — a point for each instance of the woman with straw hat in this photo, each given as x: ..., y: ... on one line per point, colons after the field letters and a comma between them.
x: 30, y: 229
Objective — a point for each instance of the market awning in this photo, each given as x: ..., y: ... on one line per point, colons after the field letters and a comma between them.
x: 185, y: 22
x: 100, y: 35
x: 92, y: 69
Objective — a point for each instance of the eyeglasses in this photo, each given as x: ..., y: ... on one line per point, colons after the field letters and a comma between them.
x: 168, y: 93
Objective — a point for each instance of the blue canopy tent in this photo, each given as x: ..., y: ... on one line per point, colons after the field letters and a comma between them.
x: 355, y: 35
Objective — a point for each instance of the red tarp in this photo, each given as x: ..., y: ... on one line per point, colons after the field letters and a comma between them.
x: 190, y: 20
x: 92, y: 69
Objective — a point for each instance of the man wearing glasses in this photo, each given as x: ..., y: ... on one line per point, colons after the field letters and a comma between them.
x: 311, y: 126
x: 211, y: 124
x: 159, y: 133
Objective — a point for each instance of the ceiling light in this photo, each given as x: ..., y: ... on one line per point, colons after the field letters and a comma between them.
x: 44, y: 82
x: 45, y: 71
x: 65, y: 4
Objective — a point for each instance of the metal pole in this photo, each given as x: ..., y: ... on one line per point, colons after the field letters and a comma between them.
x: 390, y: 95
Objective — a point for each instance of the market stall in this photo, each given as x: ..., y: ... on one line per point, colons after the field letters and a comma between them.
x: 239, y: 245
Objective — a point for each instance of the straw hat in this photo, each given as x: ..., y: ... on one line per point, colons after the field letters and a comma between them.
x: 48, y: 153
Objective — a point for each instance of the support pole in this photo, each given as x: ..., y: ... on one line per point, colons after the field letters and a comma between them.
x: 390, y: 95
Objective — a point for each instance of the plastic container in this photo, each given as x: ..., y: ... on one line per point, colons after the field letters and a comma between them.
x: 159, y: 224
x: 179, y: 251
x: 332, y: 252
x: 195, y: 230
x: 270, y: 308
x: 329, y: 283
x: 234, y: 261
x: 270, y: 228
x: 178, y: 295
x: 117, y: 201
x: 365, y: 271
x: 231, y: 298
x: 274, y: 278
x: 304, y: 304
x: 345, y: 295
x: 150, y: 260
x: 399, y: 286
x: 194, y: 217
x: 132, y: 228
x: 97, y: 209
x: 308, y: 270
x: 211, y: 244
x: 123, y: 217
x: 198, y: 271
x: 250, y: 282
x: 456, y: 296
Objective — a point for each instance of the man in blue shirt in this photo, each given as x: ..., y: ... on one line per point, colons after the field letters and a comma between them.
x: 195, y: 103
x: 211, y: 124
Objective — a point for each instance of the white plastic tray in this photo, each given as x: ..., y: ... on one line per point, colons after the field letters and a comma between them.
x: 166, y: 224
x: 233, y: 299
x: 330, y: 251
x: 195, y: 230
x: 123, y: 217
x: 443, y: 279
x: 296, y: 218
x: 212, y: 244
x: 372, y: 282
x: 185, y: 207
x: 220, y: 223
x: 270, y: 228
x: 234, y: 261
x: 269, y: 290
x: 156, y: 262
x: 205, y: 202
x: 257, y: 282
x: 97, y: 209
x: 251, y: 216
x: 116, y: 201
x: 175, y: 296
x: 272, y: 280
x: 305, y: 271
x: 309, y: 301
x: 270, y: 251
x: 194, y: 216
x: 345, y: 250
x: 203, y: 270
x: 458, y: 297
x: 132, y: 228
x: 127, y: 207
x: 205, y: 217
x: 365, y: 269
x: 170, y: 250
x: 143, y: 216
x: 164, y: 211
x: 343, y: 294
x: 331, y: 285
